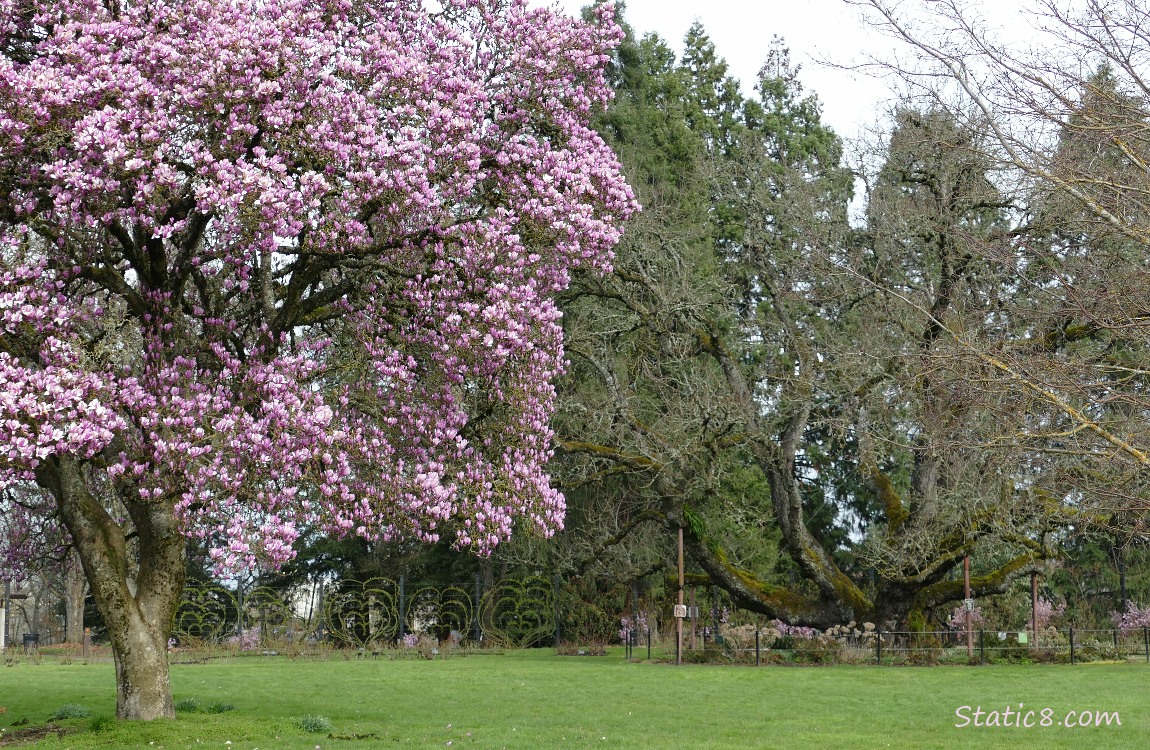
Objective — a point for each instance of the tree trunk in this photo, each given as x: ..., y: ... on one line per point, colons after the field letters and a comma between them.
x: 143, y: 690
x: 75, y: 589
x: 136, y: 581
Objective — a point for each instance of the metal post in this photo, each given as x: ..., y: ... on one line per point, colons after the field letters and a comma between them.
x: 87, y: 642
x: 648, y: 643
x: 1072, y: 645
x: 758, y: 657
x: 402, y: 608
x: 1146, y: 641
x: 5, y: 615
x: 478, y: 591
x: 878, y: 649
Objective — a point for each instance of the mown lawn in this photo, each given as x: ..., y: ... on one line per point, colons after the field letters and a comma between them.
x: 534, y: 699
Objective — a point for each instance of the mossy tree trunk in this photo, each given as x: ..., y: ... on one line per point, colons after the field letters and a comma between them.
x: 136, y: 573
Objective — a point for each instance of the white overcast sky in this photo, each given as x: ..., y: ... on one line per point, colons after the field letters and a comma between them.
x: 812, y: 29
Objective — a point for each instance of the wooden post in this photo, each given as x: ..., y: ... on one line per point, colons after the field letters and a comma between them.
x: 1034, y: 609
x: 679, y: 620
x: 966, y: 606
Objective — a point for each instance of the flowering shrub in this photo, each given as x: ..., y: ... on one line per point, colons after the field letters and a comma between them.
x: 793, y: 631
x: 957, y: 619
x: 1131, y: 618
x: 636, y: 626
x: 248, y: 640
x: 1046, y: 612
x: 411, y: 640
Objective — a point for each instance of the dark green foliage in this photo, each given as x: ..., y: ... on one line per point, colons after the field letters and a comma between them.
x: 100, y: 722
x: 313, y: 723
x: 1089, y: 580
x: 71, y: 711
x: 192, y: 705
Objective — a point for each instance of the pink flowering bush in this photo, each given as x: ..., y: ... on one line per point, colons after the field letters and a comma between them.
x: 632, y: 627
x: 1131, y: 618
x: 248, y: 640
x: 1047, y: 612
x: 782, y: 629
x: 957, y: 619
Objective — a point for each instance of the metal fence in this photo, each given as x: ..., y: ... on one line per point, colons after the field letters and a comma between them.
x: 1066, y: 645
x: 516, y: 613
x: 363, y: 614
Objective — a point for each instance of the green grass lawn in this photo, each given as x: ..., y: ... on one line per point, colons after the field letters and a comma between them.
x: 534, y: 699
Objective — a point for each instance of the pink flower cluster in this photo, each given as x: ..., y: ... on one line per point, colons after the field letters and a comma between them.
x: 1047, y: 612
x: 959, y: 617
x: 1131, y: 618
x: 632, y: 627
x: 794, y: 631
x: 283, y: 264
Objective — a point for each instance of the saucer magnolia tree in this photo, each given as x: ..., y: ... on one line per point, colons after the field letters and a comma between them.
x: 272, y: 264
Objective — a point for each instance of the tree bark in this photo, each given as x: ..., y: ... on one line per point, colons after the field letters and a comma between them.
x: 136, y: 583
x: 75, y: 589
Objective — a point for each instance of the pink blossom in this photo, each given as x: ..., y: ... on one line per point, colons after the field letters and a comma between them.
x: 288, y: 265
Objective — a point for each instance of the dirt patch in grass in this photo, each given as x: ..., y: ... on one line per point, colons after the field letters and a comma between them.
x: 25, y: 734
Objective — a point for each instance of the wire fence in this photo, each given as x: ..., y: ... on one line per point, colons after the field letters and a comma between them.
x: 364, y: 619
x: 1056, y: 645
x: 759, y: 646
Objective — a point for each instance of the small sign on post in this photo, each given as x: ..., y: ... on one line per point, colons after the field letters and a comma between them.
x: 680, y: 611
x: 968, y: 605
